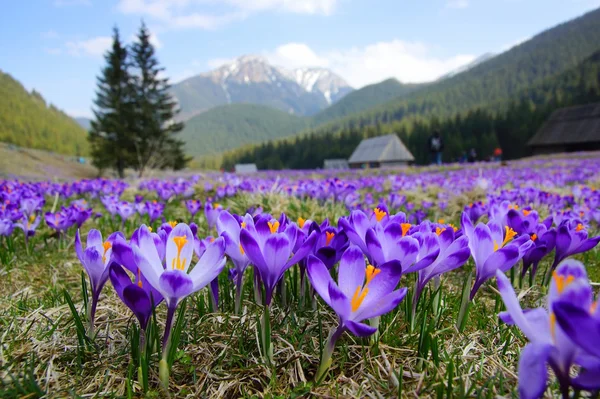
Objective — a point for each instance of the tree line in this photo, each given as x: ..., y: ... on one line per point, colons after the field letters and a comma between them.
x: 134, y: 125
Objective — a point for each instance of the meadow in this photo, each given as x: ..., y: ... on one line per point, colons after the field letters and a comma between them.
x: 331, y: 284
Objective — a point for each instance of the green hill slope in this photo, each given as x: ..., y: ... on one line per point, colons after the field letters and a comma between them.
x: 27, y: 121
x: 229, y: 126
x: 365, y: 98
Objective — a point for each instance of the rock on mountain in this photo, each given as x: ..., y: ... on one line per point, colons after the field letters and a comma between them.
x: 251, y: 79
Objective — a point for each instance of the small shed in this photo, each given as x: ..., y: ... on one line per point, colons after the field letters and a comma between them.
x: 245, y: 168
x: 335, y: 164
x: 381, y: 151
x: 569, y: 129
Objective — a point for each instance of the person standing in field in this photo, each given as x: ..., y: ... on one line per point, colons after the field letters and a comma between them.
x: 436, y: 146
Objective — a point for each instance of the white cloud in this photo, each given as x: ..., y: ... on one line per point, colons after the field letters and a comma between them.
x: 94, y: 47
x: 405, y: 61
x: 68, y: 3
x: 185, y: 14
x: 514, y: 43
x: 457, y: 3
x: 153, y: 40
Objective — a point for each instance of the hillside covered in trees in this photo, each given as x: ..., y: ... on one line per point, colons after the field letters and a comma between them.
x: 27, y: 120
x: 230, y: 126
x: 508, y: 124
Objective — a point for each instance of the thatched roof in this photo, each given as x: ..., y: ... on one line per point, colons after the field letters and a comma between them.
x: 572, y: 125
x: 387, y: 148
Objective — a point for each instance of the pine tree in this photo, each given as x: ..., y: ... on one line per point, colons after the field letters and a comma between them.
x: 111, y: 134
x: 156, y: 145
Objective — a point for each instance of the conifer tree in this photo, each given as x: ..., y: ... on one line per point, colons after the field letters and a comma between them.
x: 111, y: 134
x: 156, y: 145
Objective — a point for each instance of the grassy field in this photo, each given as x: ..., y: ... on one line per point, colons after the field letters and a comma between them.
x: 45, y: 352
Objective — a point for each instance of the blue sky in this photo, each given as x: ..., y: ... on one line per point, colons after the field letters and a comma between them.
x: 56, y: 46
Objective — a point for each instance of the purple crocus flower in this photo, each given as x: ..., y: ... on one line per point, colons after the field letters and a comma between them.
x: 6, y: 227
x: 549, y: 343
x: 137, y: 295
x: 270, y: 251
x: 155, y: 210
x: 230, y: 228
x: 211, y: 212
x: 453, y: 253
x: 174, y: 282
x: 29, y: 225
x: 362, y: 292
x: 571, y: 239
x: 391, y: 243
x: 95, y: 259
x: 493, y: 248
x: 200, y: 247
x: 125, y: 210
x: 193, y: 206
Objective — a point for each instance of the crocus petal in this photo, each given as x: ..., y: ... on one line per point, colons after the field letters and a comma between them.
x: 482, y: 244
x: 304, y: 250
x: 339, y: 302
x: 175, y: 285
x: 92, y: 262
x: 151, y: 270
x: 138, y: 301
x: 374, y: 247
x: 180, y: 257
x: 277, y: 251
x: 382, y: 284
x: 94, y: 239
x: 78, y: 248
x: 119, y: 279
x: 351, y: 272
x: 359, y: 329
x: 376, y: 308
x: 581, y: 327
x: 227, y: 223
x: 502, y: 259
x: 123, y: 255
x: 252, y: 250
x: 533, y: 374
x: 512, y: 305
x: 210, y: 264
x: 319, y: 277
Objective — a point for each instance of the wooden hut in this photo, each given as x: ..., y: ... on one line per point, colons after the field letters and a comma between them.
x: 569, y: 129
x: 381, y: 151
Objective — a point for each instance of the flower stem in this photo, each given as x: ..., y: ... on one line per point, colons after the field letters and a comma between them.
x: 266, y: 335
x: 163, y: 366
x: 239, y: 288
x: 334, y: 335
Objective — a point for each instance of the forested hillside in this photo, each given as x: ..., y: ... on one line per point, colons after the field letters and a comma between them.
x: 26, y: 120
x: 365, y: 98
x: 230, y: 126
x: 509, y: 124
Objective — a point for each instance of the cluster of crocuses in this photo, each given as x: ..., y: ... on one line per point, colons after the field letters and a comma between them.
x: 369, y: 251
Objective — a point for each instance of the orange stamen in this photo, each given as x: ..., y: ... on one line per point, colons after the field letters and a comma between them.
x: 405, y: 227
x: 301, y: 222
x: 526, y: 212
x: 173, y: 223
x: 242, y: 250
x: 107, y: 245
x: 439, y: 230
x: 358, y: 297
x: 379, y: 214
x: 243, y: 225
x: 370, y: 273
x: 533, y: 237
x: 562, y: 281
x: 329, y: 237
x: 441, y: 221
x: 274, y: 226
x: 180, y: 242
x: 139, y: 273
x: 579, y: 227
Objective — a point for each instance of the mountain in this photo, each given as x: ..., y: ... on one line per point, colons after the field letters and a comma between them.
x: 232, y: 125
x: 85, y: 123
x: 479, y: 60
x: 508, y: 124
x: 27, y: 120
x: 365, y: 98
x: 320, y: 80
x: 488, y: 87
x: 251, y: 79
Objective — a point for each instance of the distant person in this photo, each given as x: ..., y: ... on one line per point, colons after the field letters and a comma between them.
x: 436, y: 146
x: 472, y: 155
x: 463, y: 158
x: 498, y: 154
